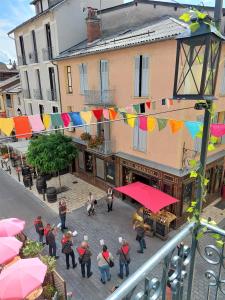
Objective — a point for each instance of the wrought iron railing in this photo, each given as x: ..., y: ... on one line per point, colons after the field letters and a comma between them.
x: 37, y: 94
x: 47, y: 53
x: 104, y: 148
x: 33, y: 57
x: 52, y: 95
x: 26, y: 94
x: 98, y: 97
x: 171, y: 267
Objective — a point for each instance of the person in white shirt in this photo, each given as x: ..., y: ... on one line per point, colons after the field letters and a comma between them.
x: 109, y: 199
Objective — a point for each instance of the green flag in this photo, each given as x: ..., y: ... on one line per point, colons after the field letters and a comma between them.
x: 136, y: 108
x: 162, y: 123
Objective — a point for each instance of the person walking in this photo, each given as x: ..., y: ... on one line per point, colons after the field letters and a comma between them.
x: 140, y: 237
x: 62, y: 213
x: 46, y: 231
x: 67, y: 244
x: 105, y: 262
x: 124, y: 258
x: 39, y: 227
x: 110, y: 199
x: 85, y: 258
x: 50, y: 239
x: 90, y: 205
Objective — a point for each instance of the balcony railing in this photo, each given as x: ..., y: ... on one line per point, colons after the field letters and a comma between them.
x: 97, y: 97
x: 37, y: 94
x: 21, y: 60
x: 168, y: 268
x: 33, y: 57
x: 52, y: 95
x: 47, y: 54
x: 26, y: 94
x: 105, y: 148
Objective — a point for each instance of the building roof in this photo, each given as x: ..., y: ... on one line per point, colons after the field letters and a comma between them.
x: 163, y: 29
x: 9, y: 82
x: 14, y: 89
x: 37, y: 16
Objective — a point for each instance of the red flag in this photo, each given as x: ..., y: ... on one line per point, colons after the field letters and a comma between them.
x: 148, y: 103
x: 98, y: 113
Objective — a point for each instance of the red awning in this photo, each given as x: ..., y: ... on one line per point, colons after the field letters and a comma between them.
x: 148, y: 196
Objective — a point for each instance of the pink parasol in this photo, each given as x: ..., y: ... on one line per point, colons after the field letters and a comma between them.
x: 9, y: 248
x: 22, y: 278
x: 11, y: 227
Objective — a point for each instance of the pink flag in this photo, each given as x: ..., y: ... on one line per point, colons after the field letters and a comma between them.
x: 66, y: 119
x: 106, y: 113
x: 143, y: 123
x: 36, y: 123
x: 217, y: 130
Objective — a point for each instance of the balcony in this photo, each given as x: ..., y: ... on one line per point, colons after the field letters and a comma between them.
x: 105, y: 148
x: 37, y: 94
x: 47, y: 53
x: 97, y: 97
x: 21, y: 60
x: 52, y: 95
x: 26, y: 94
x: 33, y: 57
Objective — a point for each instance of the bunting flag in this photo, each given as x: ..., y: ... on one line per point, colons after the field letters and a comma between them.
x: 6, y: 125
x: 86, y: 116
x: 154, y: 105
x: 22, y: 127
x: 112, y: 114
x: 129, y: 108
x: 76, y: 118
x: 217, y: 130
x: 143, y: 123
x: 136, y: 108
x: 175, y: 125
x: 163, y: 101
x: 148, y: 104
x: 193, y: 127
x: 47, y: 121
x: 36, y: 123
x: 124, y: 116
x: 56, y: 120
x: 131, y: 119
x: 66, y: 119
x: 171, y: 102
x: 162, y: 123
x: 98, y: 114
x: 142, y: 108
x: 106, y: 113
x: 151, y: 123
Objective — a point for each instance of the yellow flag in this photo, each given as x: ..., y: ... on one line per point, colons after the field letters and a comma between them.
x: 131, y: 119
x: 151, y: 123
x: 47, y: 121
x: 86, y: 116
x: 6, y: 125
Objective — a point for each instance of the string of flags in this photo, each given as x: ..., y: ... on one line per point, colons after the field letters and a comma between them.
x: 133, y: 115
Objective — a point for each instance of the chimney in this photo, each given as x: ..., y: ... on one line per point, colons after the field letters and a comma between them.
x: 93, y: 25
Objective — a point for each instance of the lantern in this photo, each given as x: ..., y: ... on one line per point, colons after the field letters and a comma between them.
x: 197, y: 62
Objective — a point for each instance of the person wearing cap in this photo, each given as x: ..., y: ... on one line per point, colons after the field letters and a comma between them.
x: 85, y: 258
x: 124, y: 258
x: 50, y: 239
x: 67, y: 244
x: 62, y: 214
x: 105, y: 261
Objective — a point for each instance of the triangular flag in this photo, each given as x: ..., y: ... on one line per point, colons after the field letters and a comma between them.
x: 162, y: 123
x: 47, y: 121
x: 124, y: 116
x: 56, y: 120
x: 151, y: 123
x: 131, y: 120
x: 193, y: 127
x: 112, y: 114
x: 143, y: 123
x: 148, y: 104
x: 36, y: 123
x: 22, y: 127
x: 6, y: 125
x: 86, y: 116
x: 217, y: 130
x: 175, y: 125
x: 98, y: 114
x: 129, y: 108
x: 142, y: 108
x: 76, y: 118
x: 171, y: 101
x: 66, y: 119
x: 136, y: 108
x: 106, y: 113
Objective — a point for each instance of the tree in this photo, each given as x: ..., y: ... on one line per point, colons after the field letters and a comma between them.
x: 51, y: 153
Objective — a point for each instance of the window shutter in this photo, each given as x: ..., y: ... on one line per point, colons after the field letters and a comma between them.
x: 198, y: 141
x: 81, y: 78
x: 135, y: 136
x: 145, y: 76
x: 136, y: 76
x: 104, y: 79
x: 222, y: 88
x: 85, y: 77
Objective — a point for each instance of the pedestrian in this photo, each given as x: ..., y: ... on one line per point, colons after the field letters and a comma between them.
x: 67, y: 244
x: 39, y: 227
x: 85, y: 258
x: 110, y: 199
x: 62, y: 213
x: 90, y: 205
x: 46, y: 231
x: 124, y: 258
x: 105, y: 262
x: 140, y: 237
x: 50, y: 239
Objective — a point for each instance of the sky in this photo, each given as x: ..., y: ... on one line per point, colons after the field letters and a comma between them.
x: 14, y: 12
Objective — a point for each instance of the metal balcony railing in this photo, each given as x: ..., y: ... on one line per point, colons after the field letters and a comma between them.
x: 105, y: 148
x: 171, y: 268
x: 37, y: 94
x: 21, y: 60
x: 33, y: 57
x: 26, y: 94
x: 98, y: 97
x: 52, y: 95
x: 47, y: 53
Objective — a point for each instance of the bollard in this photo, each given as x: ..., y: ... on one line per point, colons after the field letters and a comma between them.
x: 2, y: 163
x: 43, y: 193
x: 9, y: 169
x: 30, y: 184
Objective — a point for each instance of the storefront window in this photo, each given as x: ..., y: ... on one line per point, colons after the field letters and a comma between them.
x: 81, y: 160
x: 100, y: 168
x: 110, y: 172
x: 88, y: 162
x: 187, y: 195
x: 154, y: 182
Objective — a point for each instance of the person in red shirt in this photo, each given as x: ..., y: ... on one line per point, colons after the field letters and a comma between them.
x: 46, y: 231
x: 39, y: 227
x: 85, y: 259
x: 124, y: 258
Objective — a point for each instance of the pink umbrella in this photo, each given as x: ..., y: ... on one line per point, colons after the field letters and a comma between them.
x: 22, y: 278
x: 11, y: 227
x: 9, y: 248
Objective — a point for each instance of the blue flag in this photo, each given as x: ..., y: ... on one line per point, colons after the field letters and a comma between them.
x: 193, y: 127
x: 76, y: 118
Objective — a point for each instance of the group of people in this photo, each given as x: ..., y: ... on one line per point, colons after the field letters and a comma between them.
x: 91, y: 202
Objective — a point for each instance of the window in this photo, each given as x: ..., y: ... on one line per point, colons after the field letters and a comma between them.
x: 52, y: 84
x: 83, y: 78
x: 38, y: 7
x: 18, y: 100
x: 22, y: 49
x: 30, y: 109
x: 34, y: 46
x: 55, y: 109
x: 8, y: 101
x: 49, y: 41
x: 100, y: 168
x: 69, y: 80
x: 110, y: 172
x: 139, y: 139
x: 27, y: 85
x: 38, y: 78
x: 41, y: 109
x: 81, y: 160
x: 141, y: 76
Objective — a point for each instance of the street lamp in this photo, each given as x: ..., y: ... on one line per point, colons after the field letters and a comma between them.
x: 197, y: 62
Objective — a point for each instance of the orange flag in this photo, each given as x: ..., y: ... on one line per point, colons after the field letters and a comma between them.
x: 176, y: 125
x: 22, y: 127
x: 112, y: 113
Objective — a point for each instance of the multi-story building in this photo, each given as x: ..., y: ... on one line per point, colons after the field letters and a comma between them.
x: 126, y: 68
x: 6, y: 73
x: 57, y: 25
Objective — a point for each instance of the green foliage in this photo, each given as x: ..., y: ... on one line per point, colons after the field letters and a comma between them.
x: 211, y: 147
x: 32, y: 249
x: 95, y: 142
x: 49, y: 291
x: 194, y: 26
x: 49, y: 261
x: 51, y: 153
x: 3, y: 150
x: 193, y: 174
